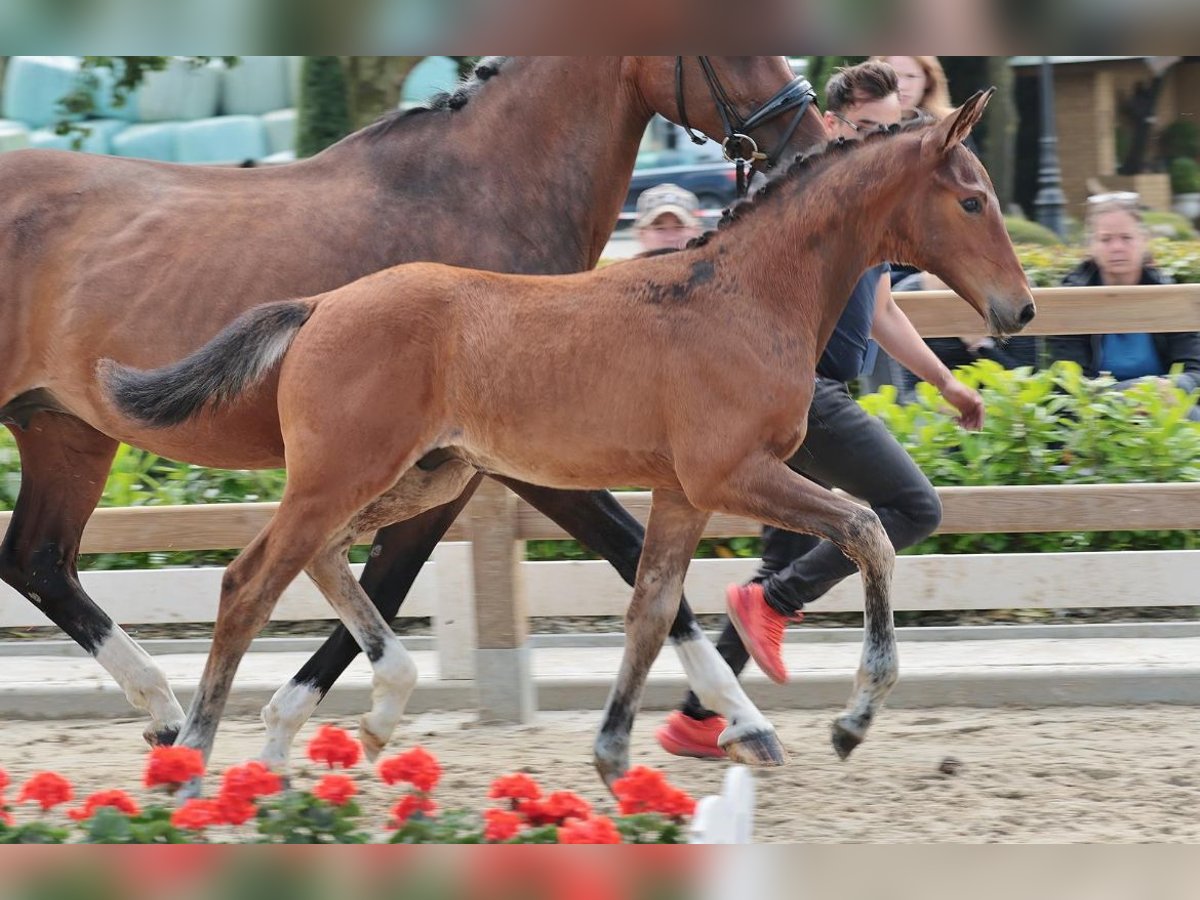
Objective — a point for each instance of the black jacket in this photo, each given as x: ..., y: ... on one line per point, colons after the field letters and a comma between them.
x: 1173, y: 347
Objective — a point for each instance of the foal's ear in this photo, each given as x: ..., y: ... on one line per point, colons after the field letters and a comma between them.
x: 955, y: 127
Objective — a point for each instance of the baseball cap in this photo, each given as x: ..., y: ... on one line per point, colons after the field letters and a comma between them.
x: 667, y: 198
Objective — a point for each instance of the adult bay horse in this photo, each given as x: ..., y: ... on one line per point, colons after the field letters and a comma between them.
x: 707, y: 355
x: 523, y: 169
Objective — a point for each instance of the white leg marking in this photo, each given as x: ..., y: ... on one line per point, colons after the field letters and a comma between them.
x: 718, y: 688
x: 143, y: 682
x: 284, y: 716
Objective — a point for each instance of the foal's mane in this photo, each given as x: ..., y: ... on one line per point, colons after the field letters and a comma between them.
x: 443, y: 101
x: 804, y: 169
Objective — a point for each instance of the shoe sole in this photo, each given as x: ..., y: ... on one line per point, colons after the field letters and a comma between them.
x: 731, y: 595
x: 691, y: 751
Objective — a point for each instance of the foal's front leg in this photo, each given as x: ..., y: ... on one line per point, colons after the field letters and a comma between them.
x: 764, y: 488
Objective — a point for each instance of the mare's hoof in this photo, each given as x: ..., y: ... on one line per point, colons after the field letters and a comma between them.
x: 190, y: 789
x: 758, y: 748
x: 845, y: 737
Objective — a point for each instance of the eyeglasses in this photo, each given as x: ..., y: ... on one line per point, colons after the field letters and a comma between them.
x: 1130, y: 197
x: 863, y: 128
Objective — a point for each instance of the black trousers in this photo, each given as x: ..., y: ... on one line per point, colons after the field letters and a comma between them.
x: 849, y: 449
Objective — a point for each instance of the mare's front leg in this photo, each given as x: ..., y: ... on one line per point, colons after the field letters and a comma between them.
x: 762, y: 487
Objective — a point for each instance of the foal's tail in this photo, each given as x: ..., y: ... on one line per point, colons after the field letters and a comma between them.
x: 232, y: 362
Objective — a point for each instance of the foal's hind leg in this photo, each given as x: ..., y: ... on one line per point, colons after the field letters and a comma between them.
x: 64, y: 464
x: 764, y: 488
x: 395, y: 674
x: 673, y: 531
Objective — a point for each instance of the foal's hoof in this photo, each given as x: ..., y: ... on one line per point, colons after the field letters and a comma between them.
x: 758, y: 748
x: 610, y: 770
x: 163, y: 737
x: 372, y: 744
x: 846, y: 736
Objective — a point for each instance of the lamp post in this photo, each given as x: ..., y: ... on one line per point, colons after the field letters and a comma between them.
x: 1050, y: 201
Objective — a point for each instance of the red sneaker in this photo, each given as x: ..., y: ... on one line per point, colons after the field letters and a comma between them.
x: 682, y: 735
x: 760, y: 628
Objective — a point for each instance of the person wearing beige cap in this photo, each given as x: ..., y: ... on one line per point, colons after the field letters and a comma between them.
x: 667, y: 217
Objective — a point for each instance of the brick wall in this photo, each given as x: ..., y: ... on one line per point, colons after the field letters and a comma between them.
x: 1087, y: 112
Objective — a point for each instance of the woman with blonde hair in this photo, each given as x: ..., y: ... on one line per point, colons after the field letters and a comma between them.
x: 923, y: 84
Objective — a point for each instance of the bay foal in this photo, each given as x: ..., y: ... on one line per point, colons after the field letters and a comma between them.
x: 689, y: 373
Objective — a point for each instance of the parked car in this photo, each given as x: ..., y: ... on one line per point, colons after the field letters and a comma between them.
x: 713, y: 182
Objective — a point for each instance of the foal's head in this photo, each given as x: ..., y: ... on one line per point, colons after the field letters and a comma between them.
x: 955, y: 227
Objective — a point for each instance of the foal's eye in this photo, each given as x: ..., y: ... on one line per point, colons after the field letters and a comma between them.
x: 971, y: 204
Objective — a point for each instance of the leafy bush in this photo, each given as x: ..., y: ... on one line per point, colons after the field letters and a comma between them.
x: 1185, y: 176
x: 1180, y: 138
x: 323, y: 114
x: 1023, y: 231
x: 1050, y: 427
x: 1170, y: 225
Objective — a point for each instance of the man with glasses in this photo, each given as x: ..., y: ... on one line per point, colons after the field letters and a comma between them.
x: 845, y: 447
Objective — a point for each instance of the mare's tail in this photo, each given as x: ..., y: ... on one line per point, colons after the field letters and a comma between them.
x: 232, y: 362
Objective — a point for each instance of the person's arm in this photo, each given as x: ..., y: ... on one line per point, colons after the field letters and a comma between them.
x: 896, y: 334
x: 1184, y: 347
x: 1076, y: 348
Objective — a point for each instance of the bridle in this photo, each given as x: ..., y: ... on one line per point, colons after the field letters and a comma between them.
x: 738, y: 146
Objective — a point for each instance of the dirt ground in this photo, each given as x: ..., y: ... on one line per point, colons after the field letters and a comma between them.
x: 1052, y: 775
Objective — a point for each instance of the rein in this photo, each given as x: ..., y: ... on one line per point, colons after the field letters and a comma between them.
x: 738, y: 147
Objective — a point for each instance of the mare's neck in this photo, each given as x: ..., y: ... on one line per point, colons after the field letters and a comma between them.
x: 539, y: 160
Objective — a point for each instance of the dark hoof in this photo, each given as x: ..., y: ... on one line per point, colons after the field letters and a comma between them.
x: 610, y: 770
x: 844, y: 739
x: 164, y: 738
x: 759, y: 748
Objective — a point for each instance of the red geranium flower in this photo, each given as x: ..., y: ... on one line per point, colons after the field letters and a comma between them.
x: 645, y: 790
x: 555, y: 809
x: 4, y: 782
x: 335, y: 789
x: 250, y: 780
x: 118, y: 800
x: 334, y: 747
x: 196, y: 815
x: 515, y: 787
x: 501, y: 825
x: 410, y: 805
x: 416, y: 767
x: 48, y: 789
x: 173, y: 765
x: 233, y: 810
x: 598, y: 830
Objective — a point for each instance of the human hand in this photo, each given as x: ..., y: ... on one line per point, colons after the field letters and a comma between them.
x: 967, y: 401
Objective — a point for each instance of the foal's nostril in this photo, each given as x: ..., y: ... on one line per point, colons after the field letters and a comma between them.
x: 1027, y: 314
